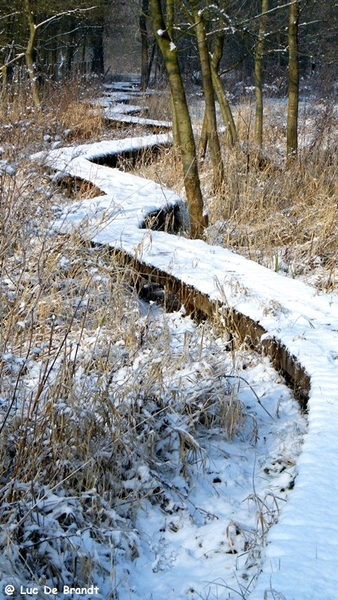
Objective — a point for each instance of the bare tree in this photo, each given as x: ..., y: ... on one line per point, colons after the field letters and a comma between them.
x: 29, y: 52
x: 182, y: 118
x: 209, y: 94
x: 223, y: 102
x: 293, y: 96
x: 227, y: 116
x: 144, y: 14
x: 259, y: 53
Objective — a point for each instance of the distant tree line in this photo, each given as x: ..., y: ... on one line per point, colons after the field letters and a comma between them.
x: 52, y: 41
x: 47, y: 41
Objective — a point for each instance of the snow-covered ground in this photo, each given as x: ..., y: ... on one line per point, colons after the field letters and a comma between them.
x: 182, y: 558
x: 205, y: 538
x: 202, y: 481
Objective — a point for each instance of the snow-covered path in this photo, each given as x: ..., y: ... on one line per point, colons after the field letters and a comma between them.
x: 301, y: 555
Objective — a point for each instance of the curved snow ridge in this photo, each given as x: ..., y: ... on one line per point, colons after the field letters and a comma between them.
x: 301, y: 554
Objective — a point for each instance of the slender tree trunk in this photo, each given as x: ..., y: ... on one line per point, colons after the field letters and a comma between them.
x: 221, y: 97
x: 83, y: 68
x: 151, y: 60
x: 293, y: 98
x: 169, y: 20
x: 70, y: 50
x: 209, y: 97
x: 97, y: 47
x: 51, y: 64
x: 29, y: 53
x: 183, y: 122
x: 224, y: 105
x: 4, y: 84
x: 258, y: 74
x: 144, y: 44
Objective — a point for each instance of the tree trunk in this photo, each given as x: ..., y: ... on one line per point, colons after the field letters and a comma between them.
x: 216, y: 80
x: 151, y: 60
x: 183, y: 122
x: 224, y: 107
x: 293, y: 97
x: 97, y: 47
x: 170, y: 15
x: 70, y: 51
x: 209, y: 97
x: 258, y: 74
x: 4, y: 84
x: 29, y: 53
x: 220, y: 95
x: 144, y: 45
x: 5, y: 78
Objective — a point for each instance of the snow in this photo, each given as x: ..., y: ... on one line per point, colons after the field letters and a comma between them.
x: 126, y: 109
x: 301, y: 551
x: 116, y: 98
x: 127, y: 119
x: 189, y: 545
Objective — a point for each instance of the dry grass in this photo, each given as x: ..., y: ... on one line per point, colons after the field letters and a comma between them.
x: 65, y: 116
x: 284, y: 219
x: 99, y: 410
x: 157, y: 105
x: 82, y: 122
x: 91, y: 398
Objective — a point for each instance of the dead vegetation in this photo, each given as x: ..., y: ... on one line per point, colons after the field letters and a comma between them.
x: 284, y: 219
x: 93, y: 395
x: 99, y: 410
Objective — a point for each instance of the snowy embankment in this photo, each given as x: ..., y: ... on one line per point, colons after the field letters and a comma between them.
x: 301, y: 554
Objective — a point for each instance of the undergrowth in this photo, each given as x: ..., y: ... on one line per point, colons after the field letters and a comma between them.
x: 284, y: 219
x: 101, y: 405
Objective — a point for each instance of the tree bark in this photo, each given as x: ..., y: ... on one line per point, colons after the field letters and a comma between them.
x: 70, y: 50
x: 144, y: 45
x: 224, y: 105
x: 218, y: 87
x: 293, y: 95
x: 183, y: 122
x: 258, y: 74
x: 4, y: 84
x: 209, y: 97
x: 29, y: 53
x: 97, y: 47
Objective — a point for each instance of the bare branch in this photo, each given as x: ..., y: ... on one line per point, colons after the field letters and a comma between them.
x: 61, y: 14
x: 13, y: 60
x: 9, y: 15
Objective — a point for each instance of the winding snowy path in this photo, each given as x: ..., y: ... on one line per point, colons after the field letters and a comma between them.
x: 301, y: 555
